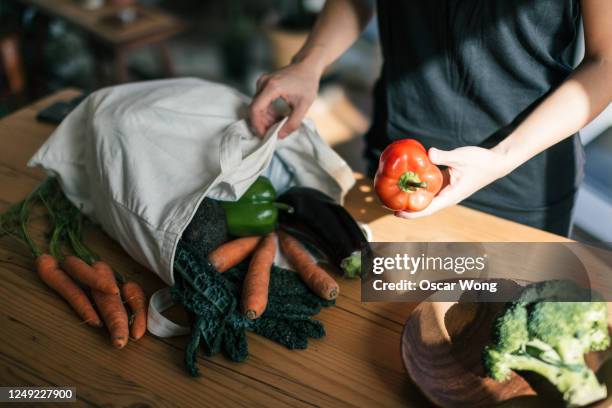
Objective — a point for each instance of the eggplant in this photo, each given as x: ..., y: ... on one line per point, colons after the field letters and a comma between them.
x: 325, y: 225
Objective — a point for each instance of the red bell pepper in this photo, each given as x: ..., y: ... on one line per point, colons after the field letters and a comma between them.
x: 406, y: 180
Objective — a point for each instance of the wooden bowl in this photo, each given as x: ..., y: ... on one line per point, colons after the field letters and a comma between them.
x: 441, y: 348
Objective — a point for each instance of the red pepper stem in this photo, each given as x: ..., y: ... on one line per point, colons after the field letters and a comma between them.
x: 410, y: 181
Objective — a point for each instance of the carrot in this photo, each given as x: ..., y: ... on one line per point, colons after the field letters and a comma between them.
x: 104, y: 269
x: 257, y: 278
x: 134, y: 296
x: 114, y: 315
x: 312, y: 274
x: 97, y: 278
x: 231, y: 253
x: 49, y: 272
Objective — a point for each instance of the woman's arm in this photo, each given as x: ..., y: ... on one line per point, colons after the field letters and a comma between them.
x: 337, y: 27
x: 581, y: 97
x: 585, y: 94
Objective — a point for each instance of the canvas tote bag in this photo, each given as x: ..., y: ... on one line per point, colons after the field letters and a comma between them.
x: 139, y: 158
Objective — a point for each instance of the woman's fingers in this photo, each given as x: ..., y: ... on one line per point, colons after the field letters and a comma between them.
x: 295, y: 119
x: 453, y: 191
x: 450, y: 158
x: 261, y: 111
x: 450, y: 195
x: 468, y: 169
x: 296, y: 84
x: 261, y: 82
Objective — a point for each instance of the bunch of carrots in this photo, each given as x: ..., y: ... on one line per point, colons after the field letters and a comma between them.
x: 71, y: 275
x: 74, y: 276
x: 257, y: 278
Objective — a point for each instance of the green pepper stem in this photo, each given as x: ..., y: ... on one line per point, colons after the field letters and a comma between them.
x: 410, y: 181
x: 284, y: 207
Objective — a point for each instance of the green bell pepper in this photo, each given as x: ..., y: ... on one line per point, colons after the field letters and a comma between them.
x: 256, y: 212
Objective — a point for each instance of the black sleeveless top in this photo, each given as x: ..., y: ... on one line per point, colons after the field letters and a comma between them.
x: 465, y: 72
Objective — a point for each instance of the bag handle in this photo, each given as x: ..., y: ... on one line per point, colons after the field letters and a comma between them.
x: 230, y: 153
x: 157, y: 323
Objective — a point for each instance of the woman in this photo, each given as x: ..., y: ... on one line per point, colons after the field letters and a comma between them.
x: 487, y: 84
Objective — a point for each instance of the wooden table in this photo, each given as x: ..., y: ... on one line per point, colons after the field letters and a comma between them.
x: 153, y: 28
x: 357, y: 363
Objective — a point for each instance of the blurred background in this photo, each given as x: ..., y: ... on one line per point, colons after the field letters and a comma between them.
x: 47, y: 45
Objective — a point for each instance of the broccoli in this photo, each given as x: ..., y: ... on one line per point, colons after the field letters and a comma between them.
x: 547, y: 330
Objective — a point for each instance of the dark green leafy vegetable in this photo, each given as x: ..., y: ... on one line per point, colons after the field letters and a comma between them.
x: 207, y: 229
x: 218, y: 324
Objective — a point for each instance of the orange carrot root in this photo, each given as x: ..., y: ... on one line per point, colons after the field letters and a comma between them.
x: 104, y: 270
x: 134, y: 296
x: 49, y: 272
x: 231, y: 253
x: 257, y: 278
x: 97, y: 278
x: 315, y: 277
x: 114, y: 315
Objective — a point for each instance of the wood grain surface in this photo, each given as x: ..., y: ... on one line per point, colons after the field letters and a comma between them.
x: 358, y: 363
x: 153, y: 23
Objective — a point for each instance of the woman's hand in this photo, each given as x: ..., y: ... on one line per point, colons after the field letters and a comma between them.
x: 581, y: 97
x: 468, y: 170
x: 297, y: 84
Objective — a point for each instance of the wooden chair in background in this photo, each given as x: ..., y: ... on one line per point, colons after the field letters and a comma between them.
x: 11, y: 67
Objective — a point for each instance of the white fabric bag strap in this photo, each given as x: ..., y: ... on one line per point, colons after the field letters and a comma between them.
x: 158, y: 324
x: 237, y: 168
x: 230, y: 151
x: 328, y: 160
